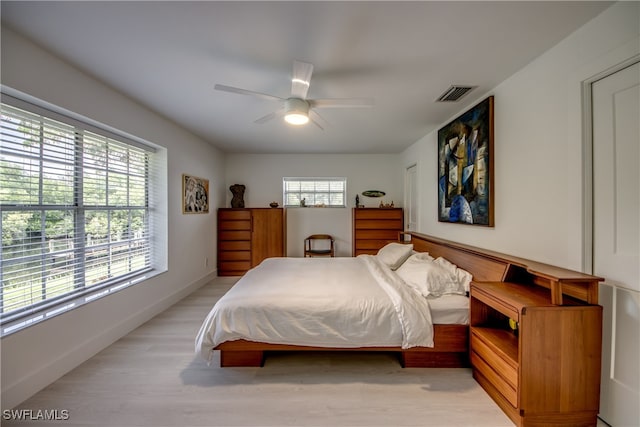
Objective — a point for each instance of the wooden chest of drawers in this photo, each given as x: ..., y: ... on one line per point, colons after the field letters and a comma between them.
x: 248, y: 236
x: 375, y: 227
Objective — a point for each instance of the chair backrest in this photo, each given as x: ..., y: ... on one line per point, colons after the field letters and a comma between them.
x: 320, y: 237
x: 310, y: 249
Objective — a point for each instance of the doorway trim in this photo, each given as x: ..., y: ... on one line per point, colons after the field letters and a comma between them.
x: 587, y: 158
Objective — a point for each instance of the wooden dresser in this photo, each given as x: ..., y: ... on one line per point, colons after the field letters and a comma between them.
x: 375, y: 227
x: 247, y: 236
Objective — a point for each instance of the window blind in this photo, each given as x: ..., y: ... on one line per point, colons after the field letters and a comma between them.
x: 325, y: 192
x: 74, y: 214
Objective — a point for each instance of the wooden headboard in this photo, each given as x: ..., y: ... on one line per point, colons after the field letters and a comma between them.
x: 490, y: 266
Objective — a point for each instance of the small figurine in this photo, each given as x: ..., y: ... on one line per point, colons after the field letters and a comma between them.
x: 238, y: 195
x: 357, y: 200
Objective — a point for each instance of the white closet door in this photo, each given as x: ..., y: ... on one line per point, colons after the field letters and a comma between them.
x: 616, y: 239
x: 411, y: 198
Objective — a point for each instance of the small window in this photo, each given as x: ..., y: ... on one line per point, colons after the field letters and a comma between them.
x: 317, y: 192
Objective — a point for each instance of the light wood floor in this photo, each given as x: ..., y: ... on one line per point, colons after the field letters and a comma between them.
x: 152, y: 377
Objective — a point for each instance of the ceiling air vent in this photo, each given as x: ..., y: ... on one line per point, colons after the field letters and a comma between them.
x: 454, y: 93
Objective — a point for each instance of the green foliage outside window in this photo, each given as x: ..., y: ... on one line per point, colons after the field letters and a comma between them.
x: 73, y: 209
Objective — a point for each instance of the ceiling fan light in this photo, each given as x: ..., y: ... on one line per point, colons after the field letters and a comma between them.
x: 297, y: 111
x: 296, y: 118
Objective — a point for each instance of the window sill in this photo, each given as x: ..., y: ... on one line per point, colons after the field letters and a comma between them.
x: 13, y: 323
x: 317, y: 207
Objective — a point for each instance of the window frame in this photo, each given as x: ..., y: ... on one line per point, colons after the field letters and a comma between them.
x: 314, y: 192
x: 152, y: 251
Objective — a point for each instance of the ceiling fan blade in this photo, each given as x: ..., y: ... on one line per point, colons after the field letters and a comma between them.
x: 341, y: 103
x: 317, y: 119
x: 247, y: 92
x: 300, y: 79
x: 316, y: 123
x: 270, y: 116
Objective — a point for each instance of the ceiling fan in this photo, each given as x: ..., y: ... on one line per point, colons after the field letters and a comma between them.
x: 297, y: 109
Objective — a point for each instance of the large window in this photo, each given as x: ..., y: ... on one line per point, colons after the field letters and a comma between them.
x: 322, y: 192
x: 74, y: 214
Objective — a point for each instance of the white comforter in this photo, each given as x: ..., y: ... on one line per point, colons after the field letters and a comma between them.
x: 322, y: 302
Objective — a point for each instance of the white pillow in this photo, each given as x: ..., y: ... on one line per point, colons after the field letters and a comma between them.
x: 394, y: 254
x: 413, y: 272
x: 463, y: 276
x: 429, y: 278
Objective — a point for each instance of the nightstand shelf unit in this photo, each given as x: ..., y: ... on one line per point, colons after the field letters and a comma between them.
x: 547, y: 371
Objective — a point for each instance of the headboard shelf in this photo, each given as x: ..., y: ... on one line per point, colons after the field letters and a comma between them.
x: 490, y: 266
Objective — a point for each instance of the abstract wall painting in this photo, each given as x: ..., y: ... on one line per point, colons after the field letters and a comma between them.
x: 195, y: 195
x: 465, y: 167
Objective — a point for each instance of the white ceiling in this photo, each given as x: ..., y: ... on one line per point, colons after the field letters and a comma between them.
x: 169, y: 55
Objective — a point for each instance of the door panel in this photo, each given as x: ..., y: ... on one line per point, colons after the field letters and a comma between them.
x: 616, y: 239
x: 267, y: 237
x: 411, y: 198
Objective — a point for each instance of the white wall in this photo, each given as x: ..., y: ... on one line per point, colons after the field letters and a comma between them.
x: 538, y: 147
x: 262, y: 175
x: 36, y: 356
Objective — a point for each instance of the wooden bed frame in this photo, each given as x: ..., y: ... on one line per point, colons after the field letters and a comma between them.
x: 451, y: 342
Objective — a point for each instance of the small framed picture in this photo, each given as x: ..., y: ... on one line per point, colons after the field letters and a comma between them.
x: 195, y: 195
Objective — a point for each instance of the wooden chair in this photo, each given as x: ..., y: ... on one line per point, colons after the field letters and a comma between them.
x: 319, y: 245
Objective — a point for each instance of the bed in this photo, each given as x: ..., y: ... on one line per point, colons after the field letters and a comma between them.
x: 365, y: 303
